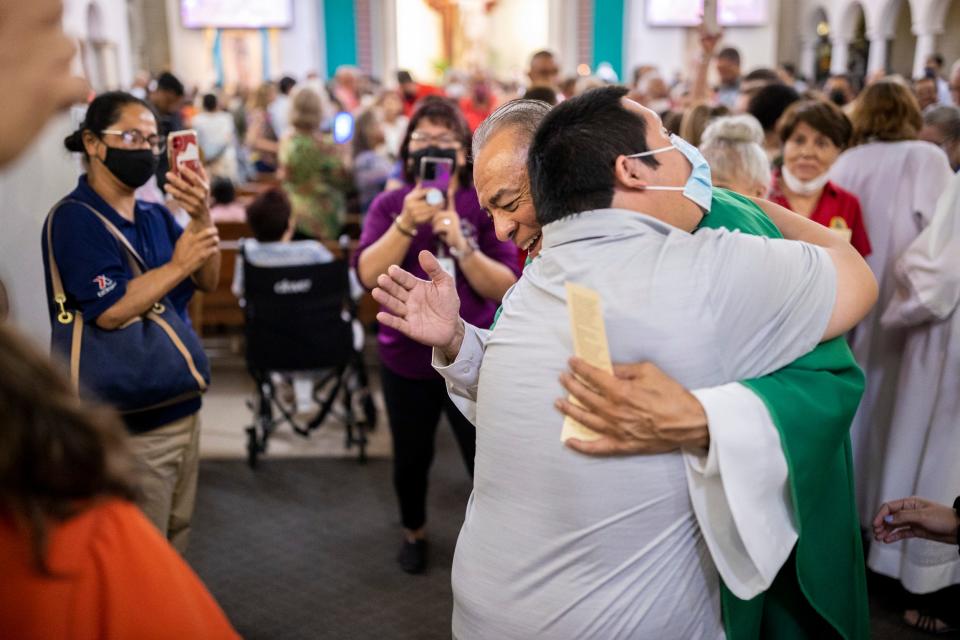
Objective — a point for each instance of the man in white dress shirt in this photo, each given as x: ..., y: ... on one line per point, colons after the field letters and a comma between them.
x: 569, y: 551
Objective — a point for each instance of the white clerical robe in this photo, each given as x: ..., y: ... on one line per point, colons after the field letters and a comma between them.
x: 923, y: 442
x: 898, y: 184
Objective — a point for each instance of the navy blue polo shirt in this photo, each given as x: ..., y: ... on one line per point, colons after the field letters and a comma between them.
x: 95, y: 270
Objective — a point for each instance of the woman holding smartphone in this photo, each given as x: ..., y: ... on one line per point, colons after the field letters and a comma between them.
x: 399, y: 225
x: 120, y: 145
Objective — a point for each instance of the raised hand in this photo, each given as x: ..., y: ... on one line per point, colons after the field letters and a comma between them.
x: 35, y: 56
x: 194, y: 248
x: 709, y: 40
x: 191, y: 190
x: 427, y: 311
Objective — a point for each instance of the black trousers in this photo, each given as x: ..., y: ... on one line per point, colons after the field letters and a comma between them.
x: 413, y: 409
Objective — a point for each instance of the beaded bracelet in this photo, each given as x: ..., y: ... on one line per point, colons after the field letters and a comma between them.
x: 406, y: 232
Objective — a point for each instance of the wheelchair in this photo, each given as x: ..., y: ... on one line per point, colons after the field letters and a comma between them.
x: 300, y: 319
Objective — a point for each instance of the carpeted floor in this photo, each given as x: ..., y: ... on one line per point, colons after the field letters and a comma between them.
x: 304, y: 548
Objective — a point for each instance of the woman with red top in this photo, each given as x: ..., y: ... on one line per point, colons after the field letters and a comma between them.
x: 77, y: 558
x: 399, y: 225
x: 812, y: 134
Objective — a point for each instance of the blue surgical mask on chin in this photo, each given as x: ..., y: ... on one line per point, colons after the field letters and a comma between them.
x: 699, y: 187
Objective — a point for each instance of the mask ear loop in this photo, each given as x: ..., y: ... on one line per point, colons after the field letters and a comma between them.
x: 652, y: 152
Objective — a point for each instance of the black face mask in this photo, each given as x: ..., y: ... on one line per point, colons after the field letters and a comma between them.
x: 132, y: 167
x: 432, y: 152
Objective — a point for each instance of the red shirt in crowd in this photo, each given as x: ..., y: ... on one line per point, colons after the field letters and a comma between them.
x: 423, y: 90
x: 837, y: 209
x: 475, y: 112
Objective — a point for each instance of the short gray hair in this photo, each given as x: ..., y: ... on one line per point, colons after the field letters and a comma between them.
x: 731, y: 144
x: 945, y: 118
x: 521, y: 114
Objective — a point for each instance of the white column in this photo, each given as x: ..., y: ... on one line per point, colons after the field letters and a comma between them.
x: 839, y: 54
x: 562, y: 33
x: 383, y: 33
x: 926, y: 44
x: 879, y: 45
x: 808, y: 58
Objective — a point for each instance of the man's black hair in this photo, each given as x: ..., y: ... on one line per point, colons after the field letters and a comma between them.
x: 286, y: 84
x: 543, y: 94
x: 572, y: 155
x: 210, y: 102
x: 762, y: 73
x: 403, y: 77
x: 169, y: 82
x: 731, y: 54
x: 769, y: 103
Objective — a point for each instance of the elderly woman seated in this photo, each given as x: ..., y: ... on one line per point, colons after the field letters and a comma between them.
x: 732, y: 146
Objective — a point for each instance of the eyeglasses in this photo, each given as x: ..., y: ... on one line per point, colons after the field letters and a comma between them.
x: 133, y: 138
x: 445, y: 140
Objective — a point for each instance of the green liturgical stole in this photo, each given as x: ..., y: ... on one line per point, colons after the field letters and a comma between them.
x: 812, y: 402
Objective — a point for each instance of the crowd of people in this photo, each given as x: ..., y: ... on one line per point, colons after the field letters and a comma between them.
x: 779, y: 265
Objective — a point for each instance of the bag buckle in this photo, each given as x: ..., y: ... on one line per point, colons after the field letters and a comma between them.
x: 158, y: 308
x: 64, y: 317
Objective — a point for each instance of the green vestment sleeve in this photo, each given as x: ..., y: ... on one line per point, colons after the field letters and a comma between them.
x: 812, y: 402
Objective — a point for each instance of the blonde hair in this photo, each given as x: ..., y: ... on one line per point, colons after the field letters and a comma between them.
x: 732, y: 146
x: 261, y: 97
x: 306, y: 111
x: 695, y: 120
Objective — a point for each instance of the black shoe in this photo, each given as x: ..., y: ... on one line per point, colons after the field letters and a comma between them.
x: 413, y: 556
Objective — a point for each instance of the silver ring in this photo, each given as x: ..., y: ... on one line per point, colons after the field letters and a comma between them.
x: 446, y: 221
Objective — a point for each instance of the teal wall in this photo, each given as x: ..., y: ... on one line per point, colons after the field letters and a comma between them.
x: 340, y: 25
x: 608, y: 34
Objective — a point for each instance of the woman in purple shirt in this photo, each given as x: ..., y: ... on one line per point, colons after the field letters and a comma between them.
x: 399, y: 225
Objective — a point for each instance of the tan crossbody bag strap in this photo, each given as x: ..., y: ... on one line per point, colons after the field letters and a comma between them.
x: 137, y: 265
x: 136, y: 262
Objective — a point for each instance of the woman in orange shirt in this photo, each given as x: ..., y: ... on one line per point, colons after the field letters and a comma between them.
x: 77, y: 558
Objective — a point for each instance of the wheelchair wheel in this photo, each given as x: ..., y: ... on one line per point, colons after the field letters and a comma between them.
x: 253, y: 447
x: 369, y: 411
x: 362, y: 458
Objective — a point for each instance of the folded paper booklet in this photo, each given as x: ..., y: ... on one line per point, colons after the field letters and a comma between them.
x: 589, y: 343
